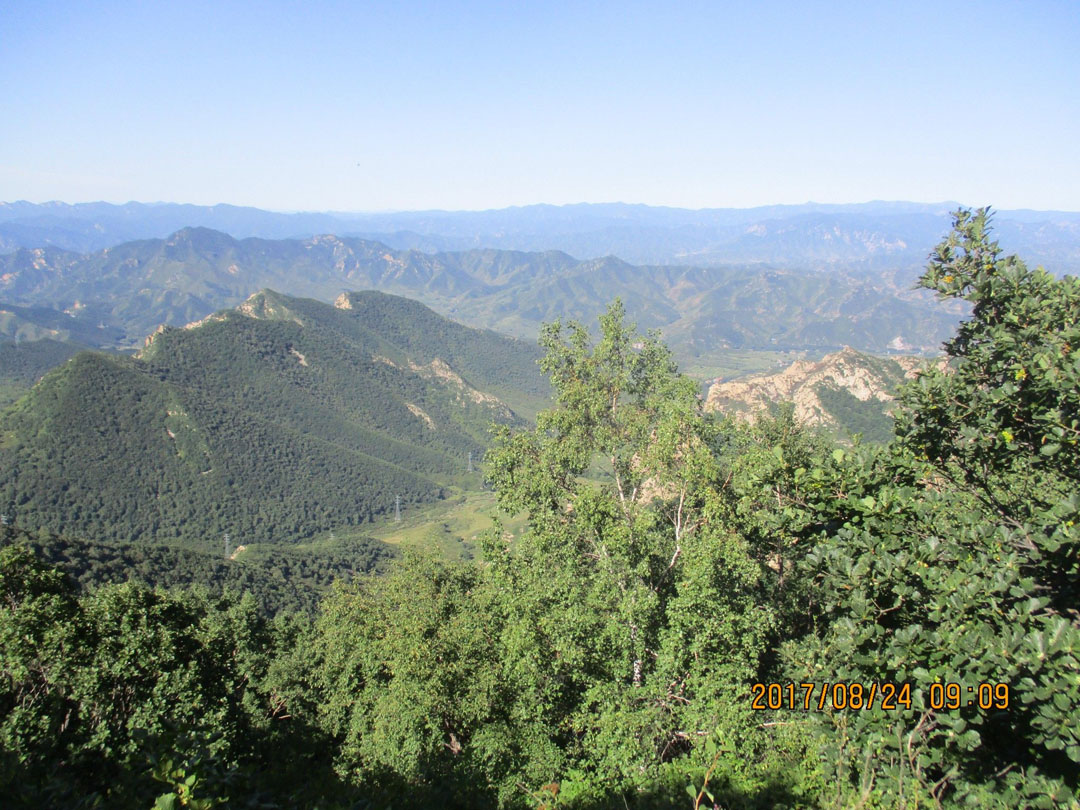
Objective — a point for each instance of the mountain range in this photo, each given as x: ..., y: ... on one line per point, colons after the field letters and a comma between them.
x: 871, y: 237
x: 136, y: 286
x: 273, y: 421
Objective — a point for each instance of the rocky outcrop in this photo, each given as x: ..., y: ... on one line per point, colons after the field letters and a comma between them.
x: 864, y: 377
x: 439, y: 370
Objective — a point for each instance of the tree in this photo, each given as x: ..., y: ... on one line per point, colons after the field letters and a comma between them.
x: 39, y: 645
x: 92, y: 687
x: 408, y: 685
x: 635, y: 616
x: 607, y: 651
x: 951, y: 556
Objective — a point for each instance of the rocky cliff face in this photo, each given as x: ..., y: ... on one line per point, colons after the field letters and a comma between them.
x: 846, y: 391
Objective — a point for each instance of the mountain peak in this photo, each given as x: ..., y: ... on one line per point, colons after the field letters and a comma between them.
x: 199, y: 237
x: 268, y: 305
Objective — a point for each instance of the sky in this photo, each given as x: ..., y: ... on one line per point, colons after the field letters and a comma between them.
x: 377, y: 106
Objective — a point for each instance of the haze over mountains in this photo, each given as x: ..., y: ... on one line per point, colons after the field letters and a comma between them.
x: 288, y: 416
x: 872, y: 236
x: 136, y: 286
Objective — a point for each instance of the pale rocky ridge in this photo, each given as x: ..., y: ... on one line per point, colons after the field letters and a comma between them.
x: 864, y: 377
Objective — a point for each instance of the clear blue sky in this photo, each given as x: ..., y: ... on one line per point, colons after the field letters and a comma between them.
x: 376, y: 106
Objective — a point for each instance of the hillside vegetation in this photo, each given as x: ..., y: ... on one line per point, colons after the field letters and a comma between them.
x: 284, y: 418
x: 34, y: 340
x: 281, y: 578
x: 734, y: 615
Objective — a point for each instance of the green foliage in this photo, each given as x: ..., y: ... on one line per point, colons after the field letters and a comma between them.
x: 1004, y: 422
x: 410, y: 685
x: 954, y: 557
x: 868, y: 419
x: 126, y: 695
x: 188, y: 770
x: 37, y: 645
x: 24, y: 363
x: 590, y: 661
x: 85, y: 681
x: 638, y: 615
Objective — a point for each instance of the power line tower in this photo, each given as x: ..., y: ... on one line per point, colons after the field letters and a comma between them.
x: 226, y: 545
x: 397, y: 509
x: 470, y: 461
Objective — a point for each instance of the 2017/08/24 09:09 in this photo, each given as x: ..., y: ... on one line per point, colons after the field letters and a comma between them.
x: 888, y: 696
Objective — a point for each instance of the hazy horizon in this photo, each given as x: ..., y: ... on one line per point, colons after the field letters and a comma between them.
x: 605, y: 203
x: 421, y: 106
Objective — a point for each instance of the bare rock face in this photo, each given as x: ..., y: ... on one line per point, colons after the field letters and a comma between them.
x: 438, y: 369
x: 149, y: 344
x: 864, y: 377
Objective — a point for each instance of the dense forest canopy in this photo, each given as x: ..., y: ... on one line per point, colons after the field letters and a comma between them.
x: 282, y: 578
x: 607, y: 657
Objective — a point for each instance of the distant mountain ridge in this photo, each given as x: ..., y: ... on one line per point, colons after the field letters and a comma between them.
x: 138, y: 285
x: 37, y: 323
x: 871, y: 236
x: 273, y: 421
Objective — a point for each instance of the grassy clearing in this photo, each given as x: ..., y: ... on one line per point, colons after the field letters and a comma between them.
x: 452, y: 526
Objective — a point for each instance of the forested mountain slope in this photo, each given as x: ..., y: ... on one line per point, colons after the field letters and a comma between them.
x: 282, y: 578
x: 272, y: 422
x: 36, y: 339
x: 44, y: 323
